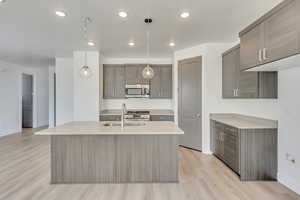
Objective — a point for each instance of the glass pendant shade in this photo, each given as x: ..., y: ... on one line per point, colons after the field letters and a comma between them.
x: 148, y: 72
x: 85, y: 72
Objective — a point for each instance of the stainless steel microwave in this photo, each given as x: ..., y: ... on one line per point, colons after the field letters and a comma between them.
x: 137, y: 91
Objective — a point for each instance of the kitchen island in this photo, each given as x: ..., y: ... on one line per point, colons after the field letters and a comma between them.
x: 103, y: 152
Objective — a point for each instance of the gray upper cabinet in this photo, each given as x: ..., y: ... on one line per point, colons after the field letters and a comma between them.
x: 131, y: 74
x: 274, y: 36
x: 282, y: 33
x: 251, y: 45
x: 134, y: 74
x: 113, y: 81
x: 161, y: 84
x: 229, y: 73
x: 119, y: 81
x: 116, y: 76
x: 241, y: 84
x: 166, y: 81
x: 108, y: 82
x: 235, y: 83
x: 155, y: 83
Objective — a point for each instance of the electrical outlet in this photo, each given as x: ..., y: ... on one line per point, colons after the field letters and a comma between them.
x: 290, y: 158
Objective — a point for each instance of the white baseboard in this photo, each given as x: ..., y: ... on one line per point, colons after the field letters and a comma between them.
x: 289, y: 182
x: 208, y: 152
x: 9, y: 132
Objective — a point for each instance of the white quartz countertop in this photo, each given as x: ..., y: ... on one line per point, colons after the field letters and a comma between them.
x: 152, y: 112
x: 98, y: 128
x: 244, y: 122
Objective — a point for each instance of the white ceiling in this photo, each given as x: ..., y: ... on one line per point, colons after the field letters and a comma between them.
x: 31, y: 34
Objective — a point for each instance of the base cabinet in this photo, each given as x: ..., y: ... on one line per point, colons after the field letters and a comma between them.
x: 251, y: 153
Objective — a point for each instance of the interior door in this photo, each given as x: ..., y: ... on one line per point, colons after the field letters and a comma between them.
x: 27, y: 101
x: 190, y: 102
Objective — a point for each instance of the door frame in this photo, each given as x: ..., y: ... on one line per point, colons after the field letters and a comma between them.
x: 202, y: 94
x: 34, y: 103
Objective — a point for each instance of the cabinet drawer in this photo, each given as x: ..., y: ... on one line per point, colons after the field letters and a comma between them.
x: 110, y: 118
x: 162, y: 118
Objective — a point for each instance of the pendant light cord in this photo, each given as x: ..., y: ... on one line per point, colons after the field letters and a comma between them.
x: 148, y: 46
x: 85, y: 58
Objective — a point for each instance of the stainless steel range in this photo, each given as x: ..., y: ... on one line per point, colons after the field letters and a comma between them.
x: 140, y: 115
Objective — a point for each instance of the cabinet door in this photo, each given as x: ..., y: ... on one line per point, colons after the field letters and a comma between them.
x: 219, y: 142
x: 282, y: 33
x: 251, y: 45
x: 231, y: 148
x: 155, y: 84
x: 229, y: 74
x: 162, y: 118
x: 166, y: 81
x: 140, y: 78
x: 248, y: 85
x: 131, y: 74
x: 268, y: 84
x: 119, y: 82
x: 108, y: 81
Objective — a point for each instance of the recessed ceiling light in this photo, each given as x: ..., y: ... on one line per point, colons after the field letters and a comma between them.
x: 131, y: 44
x: 2, y: 1
x: 171, y: 44
x: 60, y: 13
x: 184, y: 15
x: 122, y: 14
x: 91, y: 43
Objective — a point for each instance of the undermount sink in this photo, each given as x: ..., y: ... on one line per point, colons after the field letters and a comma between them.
x: 126, y: 124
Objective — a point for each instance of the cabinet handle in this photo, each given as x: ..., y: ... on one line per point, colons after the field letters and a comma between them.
x: 234, y: 92
x: 265, y: 54
x: 237, y: 92
x: 259, y: 55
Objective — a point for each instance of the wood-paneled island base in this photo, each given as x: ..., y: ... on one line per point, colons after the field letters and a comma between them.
x: 89, y: 152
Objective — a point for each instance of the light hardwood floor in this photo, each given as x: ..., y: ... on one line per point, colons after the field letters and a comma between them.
x: 24, y: 174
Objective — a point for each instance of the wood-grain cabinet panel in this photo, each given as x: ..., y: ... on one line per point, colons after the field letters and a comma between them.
x: 251, y: 153
x: 274, y: 36
x: 243, y: 84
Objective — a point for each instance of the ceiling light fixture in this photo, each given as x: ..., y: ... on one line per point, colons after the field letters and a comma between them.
x: 91, y: 43
x: 60, y: 13
x: 2, y: 1
x: 122, y: 14
x: 184, y: 15
x: 131, y: 44
x: 171, y: 44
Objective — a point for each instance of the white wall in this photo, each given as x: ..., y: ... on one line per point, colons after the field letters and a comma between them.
x: 64, y: 90
x: 11, y: 98
x: 286, y: 108
x: 289, y: 136
x: 135, y: 103
x: 86, y: 91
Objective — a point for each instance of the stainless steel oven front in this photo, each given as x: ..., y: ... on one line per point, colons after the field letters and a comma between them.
x: 137, y: 91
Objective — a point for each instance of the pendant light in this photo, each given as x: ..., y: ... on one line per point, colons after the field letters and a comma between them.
x: 85, y: 71
x: 148, y: 72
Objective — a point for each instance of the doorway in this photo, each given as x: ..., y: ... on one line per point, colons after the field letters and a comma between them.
x: 190, y: 102
x: 27, y: 101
